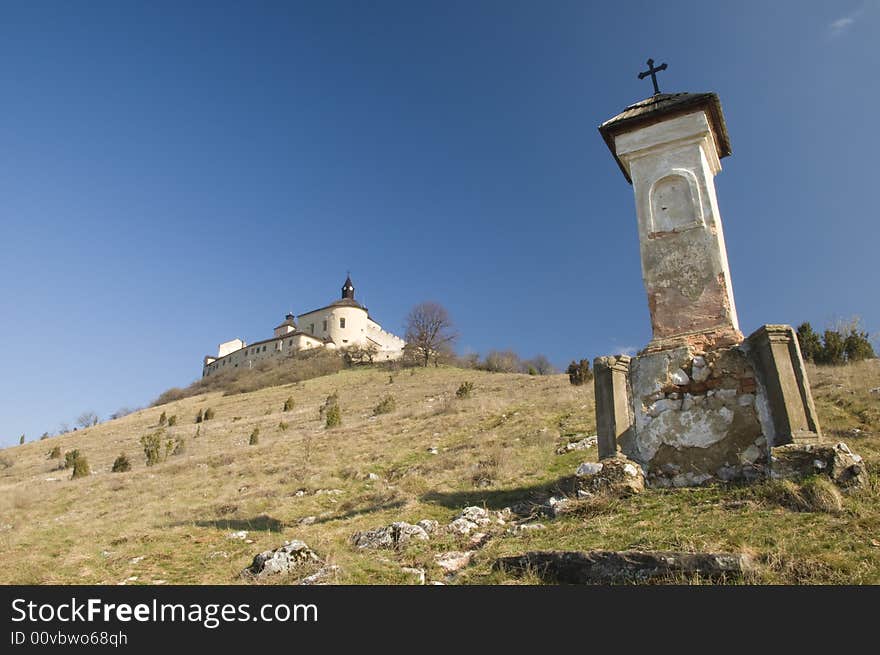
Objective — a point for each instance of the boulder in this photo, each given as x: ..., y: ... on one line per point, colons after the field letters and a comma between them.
x: 838, y: 462
x: 615, y: 475
x: 476, y: 515
x: 288, y: 558
x: 453, y: 561
x: 396, y: 535
x: 605, y: 566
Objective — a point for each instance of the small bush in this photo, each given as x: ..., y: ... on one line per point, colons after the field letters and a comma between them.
x: 331, y: 400
x: 21, y: 440
x: 334, y: 417
x: 386, y: 406
x: 390, y: 379
x: 172, y: 421
x: 80, y: 467
x: 466, y: 390
x: 199, y: 417
x: 70, y: 457
x: 162, y: 419
x: 176, y: 446
x: 255, y: 437
x: 579, y: 373
x: 121, y: 464
x: 152, y: 444
x: 209, y: 413
x: 45, y: 435
x: 55, y: 453
x: 288, y: 404
x: 282, y: 426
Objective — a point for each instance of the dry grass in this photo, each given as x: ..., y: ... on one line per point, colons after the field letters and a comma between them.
x: 171, y: 522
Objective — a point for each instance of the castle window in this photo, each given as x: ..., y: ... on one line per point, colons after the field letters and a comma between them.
x: 264, y: 348
x: 325, y: 326
x: 312, y: 328
x: 342, y: 322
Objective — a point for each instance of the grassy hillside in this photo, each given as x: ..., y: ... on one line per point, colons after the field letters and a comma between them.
x: 172, y: 522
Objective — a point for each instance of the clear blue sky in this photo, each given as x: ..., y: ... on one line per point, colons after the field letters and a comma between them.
x: 176, y: 174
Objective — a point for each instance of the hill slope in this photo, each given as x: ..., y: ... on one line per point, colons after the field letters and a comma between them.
x: 173, y: 522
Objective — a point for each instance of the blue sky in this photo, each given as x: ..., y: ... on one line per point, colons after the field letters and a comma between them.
x: 176, y: 174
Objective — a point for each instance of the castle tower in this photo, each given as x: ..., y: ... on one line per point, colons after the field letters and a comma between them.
x: 348, y: 289
x: 699, y: 402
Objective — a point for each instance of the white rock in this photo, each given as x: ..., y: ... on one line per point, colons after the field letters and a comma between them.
x: 726, y: 395
x: 462, y: 526
x: 750, y: 455
x: 699, y: 361
x: 630, y: 470
x: 453, y: 561
x: 679, y: 377
x: 588, y: 468
x: 372, y: 476
x: 308, y: 520
x: 663, y: 405
x: 746, y: 399
x: 241, y: 534
x: 432, y: 451
x: 701, y: 374
x: 476, y: 515
x: 687, y: 403
x: 428, y: 525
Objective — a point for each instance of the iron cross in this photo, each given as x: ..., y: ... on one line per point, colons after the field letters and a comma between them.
x: 653, y: 73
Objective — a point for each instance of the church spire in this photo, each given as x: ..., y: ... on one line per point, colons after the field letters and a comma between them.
x: 348, y: 288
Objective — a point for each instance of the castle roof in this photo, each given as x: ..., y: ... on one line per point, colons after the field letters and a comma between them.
x: 662, y: 107
x: 342, y: 302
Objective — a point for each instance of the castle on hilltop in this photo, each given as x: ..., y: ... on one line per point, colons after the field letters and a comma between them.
x: 340, y: 325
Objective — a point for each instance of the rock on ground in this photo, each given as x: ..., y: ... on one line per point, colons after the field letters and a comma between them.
x: 286, y: 559
x: 395, y: 535
x: 605, y: 566
x: 617, y: 475
x: 838, y: 462
x: 453, y: 561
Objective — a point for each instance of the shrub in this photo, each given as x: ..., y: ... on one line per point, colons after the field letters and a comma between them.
x: 846, y: 342
x: 255, y: 437
x: 209, y: 414
x: 390, y: 379
x: 176, y: 446
x: 199, y: 417
x: 857, y: 347
x: 172, y: 421
x: 282, y: 426
x: 503, y: 361
x: 162, y: 419
x: 45, y: 435
x: 331, y: 400
x: 334, y: 417
x: 465, y: 390
x: 579, y: 373
x: 21, y: 440
x: 540, y: 365
x: 385, y: 406
x: 832, y: 349
x: 70, y: 457
x: 80, y: 467
x: 121, y: 464
x: 288, y: 404
x: 55, y: 453
x: 152, y: 444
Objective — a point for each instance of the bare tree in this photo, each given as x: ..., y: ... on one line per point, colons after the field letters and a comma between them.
x: 541, y: 365
x: 429, y: 331
x: 87, y: 419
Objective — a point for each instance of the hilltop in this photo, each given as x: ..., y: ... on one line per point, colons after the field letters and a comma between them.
x: 430, y: 457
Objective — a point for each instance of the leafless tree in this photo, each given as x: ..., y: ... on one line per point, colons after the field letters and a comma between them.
x: 87, y: 419
x: 541, y: 365
x: 429, y: 332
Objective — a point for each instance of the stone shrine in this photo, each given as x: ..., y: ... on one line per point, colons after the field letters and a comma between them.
x: 699, y: 402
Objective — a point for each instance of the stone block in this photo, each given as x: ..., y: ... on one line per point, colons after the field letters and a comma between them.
x: 781, y: 373
x: 613, y: 414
